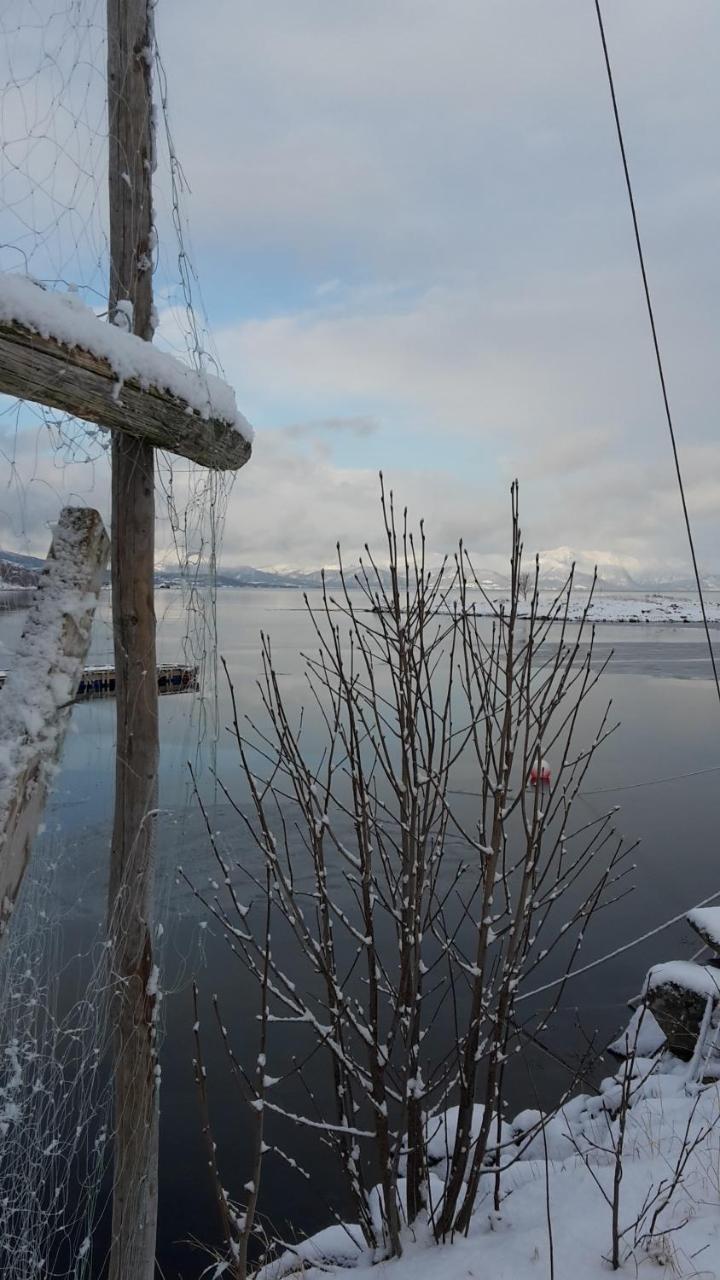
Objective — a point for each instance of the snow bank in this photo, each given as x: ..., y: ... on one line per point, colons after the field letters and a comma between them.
x: 341, y: 1244
x: 65, y: 318
x: 642, y: 1036
x: 609, y: 607
x: 576, y: 1184
x: 442, y: 1130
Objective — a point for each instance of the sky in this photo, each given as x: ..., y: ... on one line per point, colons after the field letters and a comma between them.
x: 409, y: 223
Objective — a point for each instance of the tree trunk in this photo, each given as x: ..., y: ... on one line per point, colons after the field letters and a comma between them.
x: 134, y: 1221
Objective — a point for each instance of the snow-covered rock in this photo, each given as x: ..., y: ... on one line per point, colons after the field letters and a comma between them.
x: 706, y: 922
x: 443, y: 1129
x: 643, y: 1035
x: 677, y: 993
x: 697, y: 979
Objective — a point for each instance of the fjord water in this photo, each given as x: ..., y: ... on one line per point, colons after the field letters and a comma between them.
x: 659, y: 681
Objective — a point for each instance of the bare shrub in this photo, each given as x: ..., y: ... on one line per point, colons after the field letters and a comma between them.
x: 416, y: 876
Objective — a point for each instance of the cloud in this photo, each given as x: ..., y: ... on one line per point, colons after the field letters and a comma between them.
x: 555, y: 385
x: 355, y: 426
x: 44, y: 469
x: 290, y: 506
x: 391, y: 139
x: 411, y: 223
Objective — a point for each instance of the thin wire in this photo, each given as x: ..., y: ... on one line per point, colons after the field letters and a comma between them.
x: 656, y: 344
x: 623, y: 786
x: 611, y: 955
x: 652, y: 782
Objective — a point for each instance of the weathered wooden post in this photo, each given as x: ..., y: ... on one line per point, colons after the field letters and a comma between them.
x: 131, y: 156
x: 131, y: 162
x: 37, y: 696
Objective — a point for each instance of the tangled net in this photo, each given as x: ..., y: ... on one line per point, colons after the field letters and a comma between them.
x: 54, y: 1092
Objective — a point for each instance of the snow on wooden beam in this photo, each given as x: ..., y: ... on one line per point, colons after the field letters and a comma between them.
x: 55, y: 351
x: 40, y: 687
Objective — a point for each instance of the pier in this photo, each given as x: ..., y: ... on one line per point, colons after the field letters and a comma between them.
x: 100, y: 682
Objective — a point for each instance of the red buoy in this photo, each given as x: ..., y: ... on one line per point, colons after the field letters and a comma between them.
x: 540, y: 774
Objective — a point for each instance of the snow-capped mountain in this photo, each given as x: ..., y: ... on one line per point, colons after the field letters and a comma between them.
x: 615, y: 574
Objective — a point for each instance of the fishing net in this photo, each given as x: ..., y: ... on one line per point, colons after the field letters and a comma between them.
x: 54, y: 1093
x: 53, y: 227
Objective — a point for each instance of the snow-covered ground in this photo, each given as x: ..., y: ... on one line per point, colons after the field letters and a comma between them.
x: 555, y: 1216
x: 608, y: 607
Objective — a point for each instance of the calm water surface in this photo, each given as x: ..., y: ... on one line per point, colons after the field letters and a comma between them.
x: 659, y: 680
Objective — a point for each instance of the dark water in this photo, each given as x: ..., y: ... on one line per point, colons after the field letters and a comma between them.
x: 660, y: 686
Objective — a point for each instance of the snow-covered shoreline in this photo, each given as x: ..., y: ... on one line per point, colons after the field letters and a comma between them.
x: 559, y: 1208
x: 632, y: 610
x: 615, y: 610
x: 631, y: 1171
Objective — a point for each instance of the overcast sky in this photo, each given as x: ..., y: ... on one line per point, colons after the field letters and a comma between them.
x: 409, y: 221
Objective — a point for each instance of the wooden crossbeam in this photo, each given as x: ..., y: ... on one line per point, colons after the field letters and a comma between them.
x: 37, y: 696
x: 83, y: 384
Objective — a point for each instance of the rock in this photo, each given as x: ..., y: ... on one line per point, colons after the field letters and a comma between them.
x: 678, y: 1013
x: 677, y: 995
x: 706, y: 922
x: 642, y: 1036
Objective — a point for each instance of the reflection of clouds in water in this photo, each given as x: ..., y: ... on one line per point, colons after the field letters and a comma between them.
x: 663, y: 718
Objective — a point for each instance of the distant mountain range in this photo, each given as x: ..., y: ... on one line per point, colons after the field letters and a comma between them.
x: 18, y: 571
x: 553, y: 573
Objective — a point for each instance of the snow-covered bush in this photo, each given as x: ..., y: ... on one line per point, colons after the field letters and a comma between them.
x: 414, y: 873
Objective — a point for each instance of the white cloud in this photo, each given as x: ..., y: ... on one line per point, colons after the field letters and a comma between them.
x: 421, y: 136
x: 413, y: 218
x: 294, y: 501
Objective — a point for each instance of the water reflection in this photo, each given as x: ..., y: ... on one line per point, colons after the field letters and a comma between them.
x: 658, y: 683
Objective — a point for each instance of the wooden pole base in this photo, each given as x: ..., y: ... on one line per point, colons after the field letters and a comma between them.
x: 134, y: 991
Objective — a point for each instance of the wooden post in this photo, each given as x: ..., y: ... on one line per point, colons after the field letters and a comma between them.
x: 134, y: 1220
x: 37, y: 696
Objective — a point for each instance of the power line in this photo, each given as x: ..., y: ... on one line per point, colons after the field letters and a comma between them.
x: 656, y: 344
x: 611, y: 955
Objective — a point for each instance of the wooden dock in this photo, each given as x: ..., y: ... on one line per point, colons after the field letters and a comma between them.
x: 99, y: 682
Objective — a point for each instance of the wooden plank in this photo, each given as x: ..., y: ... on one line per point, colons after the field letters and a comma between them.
x: 84, y: 385
x: 130, y: 902
x: 36, y: 698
